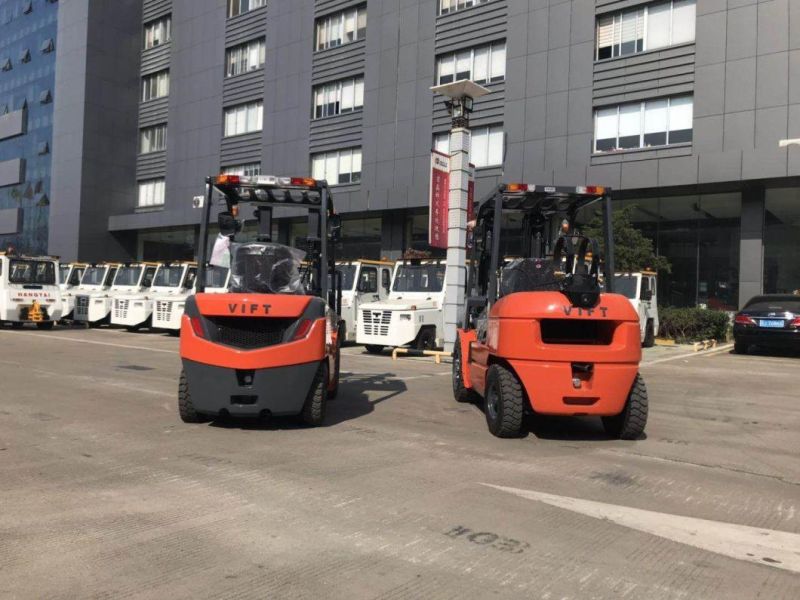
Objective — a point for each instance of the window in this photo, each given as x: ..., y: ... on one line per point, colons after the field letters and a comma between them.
x: 245, y: 57
x: 244, y: 118
x: 155, y: 86
x: 448, y: 6
x: 151, y: 193
x: 245, y: 170
x: 650, y: 27
x: 342, y: 166
x: 338, y: 97
x: 341, y: 28
x: 485, y: 64
x: 157, y: 32
x: 153, y: 139
x: 368, y: 280
x: 239, y: 7
x: 486, y: 145
x: 643, y: 124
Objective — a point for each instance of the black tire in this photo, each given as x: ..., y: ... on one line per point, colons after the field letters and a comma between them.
x: 426, y: 339
x: 337, y: 364
x: 17, y: 325
x: 185, y: 407
x: 504, y: 402
x: 630, y: 423
x: 374, y: 348
x: 460, y: 392
x: 649, y: 335
x: 46, y: 325
x: 132, y: 328
x: 740, y: 347
x: 314, y: 408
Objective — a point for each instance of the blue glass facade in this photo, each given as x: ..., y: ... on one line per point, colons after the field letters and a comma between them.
x: 27, y: 78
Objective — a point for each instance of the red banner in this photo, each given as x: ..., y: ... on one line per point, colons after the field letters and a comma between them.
x: 438, y: 201
x: 471, y: 194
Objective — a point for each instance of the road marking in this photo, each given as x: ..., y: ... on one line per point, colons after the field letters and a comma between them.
x: 723, y: 348
x: 779, y: 549
x: 77, y: 341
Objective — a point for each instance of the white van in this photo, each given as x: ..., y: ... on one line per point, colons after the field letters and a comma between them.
x: 95, y: 284
x: 129, y: 279
x: 168, y: 309
x: 362, y: 281
x: 134, y: 311
x: 413, y: 313
x: 641, y: 289
x: 69, y: 278
x: 29, y: 291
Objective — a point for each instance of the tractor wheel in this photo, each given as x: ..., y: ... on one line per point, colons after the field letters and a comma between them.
x: 46, y: 325
x: 185, y: 407
x: 649, y: 335
x: 426, y: 340
x: 630, y: 423
x: 132, y: 328
x: 314, y: 409
x: 374, y: 349
x: 461, y: 393
x: 504, y: 402
x: 740, y: 348
x: 17, y: 325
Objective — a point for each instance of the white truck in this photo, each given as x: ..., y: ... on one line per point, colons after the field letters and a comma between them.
x: 413, y: 313
x: 363, y: 281
x: 134, y: 311
x: 89, y: 295
x: 168, y: 309
x: 29, y: 291
x: 130, y: 278
x: 69, y: 278
x: 641, y: 289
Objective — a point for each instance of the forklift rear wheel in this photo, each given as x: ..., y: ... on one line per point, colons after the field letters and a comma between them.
x: 504, y: 402
x: 461, y: 393
x: 426, y: 340
x: 17, y: 325
x: 185, y: 407
x: 649, y: 335
x: 46, y: 325
x: 630, y: 423
x: 374, y: 349
x: 314, y: 409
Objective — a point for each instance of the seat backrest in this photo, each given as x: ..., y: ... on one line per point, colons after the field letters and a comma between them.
x: 528, y: 275
x: 264, y: 268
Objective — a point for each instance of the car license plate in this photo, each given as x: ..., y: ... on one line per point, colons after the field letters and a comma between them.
x: 771, y: 323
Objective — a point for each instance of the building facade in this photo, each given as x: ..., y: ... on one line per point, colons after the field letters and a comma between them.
x: 27, y: 77
x: 679, y: 105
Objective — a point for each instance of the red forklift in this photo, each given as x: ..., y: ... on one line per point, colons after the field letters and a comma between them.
x: 270, y: 345
x: 542, y: 332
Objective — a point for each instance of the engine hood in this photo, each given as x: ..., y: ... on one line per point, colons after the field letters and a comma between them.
x: 401, y: 304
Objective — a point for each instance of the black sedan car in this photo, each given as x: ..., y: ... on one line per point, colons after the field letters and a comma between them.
x: 769, y: 321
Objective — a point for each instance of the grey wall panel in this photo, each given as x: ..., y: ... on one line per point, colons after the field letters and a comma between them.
x: 337, y: 63
x: 152, y: 9
x: 341, y: 131
x: 471, y: 27
x: 245, y: 27
x: 243, y: 88
x: 13, y: 123
x: 241, y: 149
x: 12, y: 172
x: 326, y: 7
x: 10, y: 220
x: 604, y: 6
x: 153, y: 111
x: 151, y: 165
x: 155, y: 59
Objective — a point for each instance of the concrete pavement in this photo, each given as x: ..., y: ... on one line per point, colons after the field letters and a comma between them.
x: 403, y: 494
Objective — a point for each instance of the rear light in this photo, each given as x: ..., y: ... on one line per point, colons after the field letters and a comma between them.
x: 197, y: 326
x: 228, y: 180
x: 302, y: 329
x: 743, y: 320
x: 795, y: 323
x: 591, y: 189
x: 304, y: 181
x: 518, y: 187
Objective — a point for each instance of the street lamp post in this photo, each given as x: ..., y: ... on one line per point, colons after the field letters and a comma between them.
x: 460, y: 96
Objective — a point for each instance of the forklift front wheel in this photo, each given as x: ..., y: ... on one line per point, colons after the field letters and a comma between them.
x: 460, y: 391
x: 504, y: 402
x: 630, y: 423
x: 47, y: 325
x: 314, y: 409
x: 185, y: 407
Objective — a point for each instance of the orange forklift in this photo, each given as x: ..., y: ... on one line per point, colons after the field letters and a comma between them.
x: 270, y: 345
x: 540, y: 335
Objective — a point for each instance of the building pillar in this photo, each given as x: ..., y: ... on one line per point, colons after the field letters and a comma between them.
x: 393, y: 224
x: 456, y: 278
x: 751, y: 244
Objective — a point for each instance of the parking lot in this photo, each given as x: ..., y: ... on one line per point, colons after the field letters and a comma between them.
x: 403, y: 494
